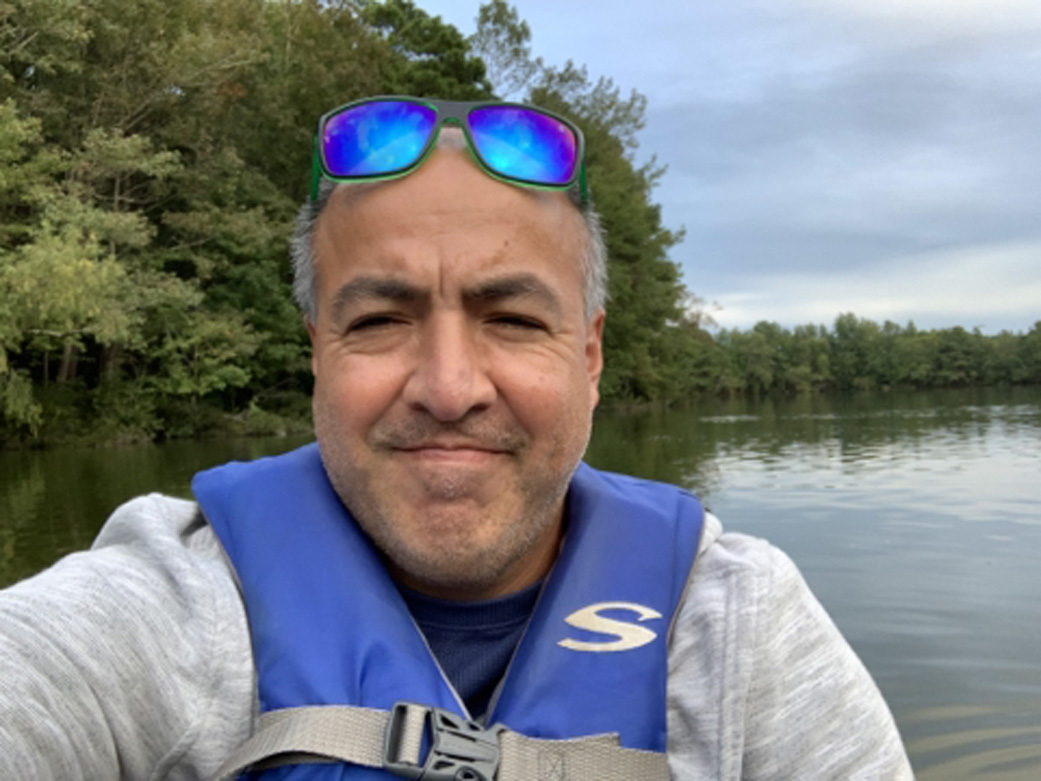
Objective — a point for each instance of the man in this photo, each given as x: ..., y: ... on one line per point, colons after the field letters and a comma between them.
x: 455, y: 307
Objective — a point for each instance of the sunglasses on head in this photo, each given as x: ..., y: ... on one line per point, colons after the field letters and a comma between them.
x: 387, y: 137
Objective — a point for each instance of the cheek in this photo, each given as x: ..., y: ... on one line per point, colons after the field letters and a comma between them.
x: 354, y: 392
x: 549, y: 403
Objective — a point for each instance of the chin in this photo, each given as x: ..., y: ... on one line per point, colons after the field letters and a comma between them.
x: 457, y: 554
x: 449, y: 573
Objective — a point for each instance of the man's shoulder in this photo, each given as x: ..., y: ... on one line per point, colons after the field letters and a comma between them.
x: 153, y: 553
x: 144, y: 642
x: 736, y: 551
x: 147, y: 517
x: 164, y: 530
x: 735, y: 566
x: 761, y: 679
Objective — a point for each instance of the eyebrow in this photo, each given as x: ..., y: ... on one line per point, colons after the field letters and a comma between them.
x: 516, y: 286
x: 368, y: 289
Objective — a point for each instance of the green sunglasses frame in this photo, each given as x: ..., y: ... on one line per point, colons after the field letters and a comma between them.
x: 455, y: 113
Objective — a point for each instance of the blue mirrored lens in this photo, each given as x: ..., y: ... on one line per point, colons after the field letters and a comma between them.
x: 523, y: 144
x: 379, y: 137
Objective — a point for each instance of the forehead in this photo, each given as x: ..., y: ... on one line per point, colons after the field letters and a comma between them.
x: 448, y: 217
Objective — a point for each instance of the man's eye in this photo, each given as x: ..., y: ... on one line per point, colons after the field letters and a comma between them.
x: 519, y: 321
x: 372, y: 322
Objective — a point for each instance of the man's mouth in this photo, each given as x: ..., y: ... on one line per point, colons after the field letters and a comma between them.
x: 453, y: 450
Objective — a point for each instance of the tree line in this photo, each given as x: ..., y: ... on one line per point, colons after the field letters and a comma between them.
x: 152, y: 158
x: 859, y: 354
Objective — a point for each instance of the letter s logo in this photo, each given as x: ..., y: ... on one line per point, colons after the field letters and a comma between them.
x: 629, y: 635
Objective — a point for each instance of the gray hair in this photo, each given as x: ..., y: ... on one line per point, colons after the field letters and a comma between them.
x: 593, y: 261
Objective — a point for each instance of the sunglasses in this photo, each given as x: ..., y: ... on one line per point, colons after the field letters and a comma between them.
x: 387, y: 137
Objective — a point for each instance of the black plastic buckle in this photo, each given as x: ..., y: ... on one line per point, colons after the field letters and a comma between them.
x: 460, y: 750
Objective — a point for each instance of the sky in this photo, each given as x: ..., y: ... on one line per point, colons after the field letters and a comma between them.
x: 881, y: 157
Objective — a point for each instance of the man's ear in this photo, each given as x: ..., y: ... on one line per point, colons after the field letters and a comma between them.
x: 595, y: 353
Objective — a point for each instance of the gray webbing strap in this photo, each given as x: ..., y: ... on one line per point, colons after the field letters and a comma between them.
x: 597, y: 757
x: 336, y: 733
x: 329, y: 733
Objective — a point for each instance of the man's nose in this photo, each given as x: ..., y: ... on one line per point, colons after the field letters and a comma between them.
x: 450, y: 377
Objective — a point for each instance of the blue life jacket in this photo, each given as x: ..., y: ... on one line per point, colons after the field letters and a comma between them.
x: 328, y: 625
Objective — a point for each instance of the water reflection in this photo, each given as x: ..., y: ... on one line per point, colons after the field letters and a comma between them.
x: 956, y: 747
x: 53, y: 502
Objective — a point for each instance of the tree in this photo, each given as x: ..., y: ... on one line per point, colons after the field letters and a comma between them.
x: 956, y: 358
x: 20, y: 170
x: 153, y: 156
x: 312, y: 57
x: 81, y: 275
x: 1030, y: 355
x: 809, y: 365
x: 503, y: 42
x: 432, y: 58
x: 855, y: 352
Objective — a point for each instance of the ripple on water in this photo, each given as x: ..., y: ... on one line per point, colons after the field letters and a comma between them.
x: 947, y: 745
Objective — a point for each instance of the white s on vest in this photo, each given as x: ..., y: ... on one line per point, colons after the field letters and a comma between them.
x: 629, y: 636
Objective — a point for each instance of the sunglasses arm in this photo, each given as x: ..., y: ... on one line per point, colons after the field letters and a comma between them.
x: 316, y: 171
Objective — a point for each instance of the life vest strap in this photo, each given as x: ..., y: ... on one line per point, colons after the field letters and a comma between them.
x: 459, y: 748
x: 594, y: 756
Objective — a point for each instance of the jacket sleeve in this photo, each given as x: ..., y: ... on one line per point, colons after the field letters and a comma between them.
x: 763, y: 684
x: 130, y: 661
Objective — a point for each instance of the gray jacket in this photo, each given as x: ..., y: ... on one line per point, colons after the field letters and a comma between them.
x: 132, y: 661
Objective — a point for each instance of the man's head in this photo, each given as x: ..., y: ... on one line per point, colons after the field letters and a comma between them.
x: 457, y: 351
x: 593, y: 260
x: 386, y: 137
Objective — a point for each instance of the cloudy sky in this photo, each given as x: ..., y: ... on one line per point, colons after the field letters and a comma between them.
x: 875, y: 156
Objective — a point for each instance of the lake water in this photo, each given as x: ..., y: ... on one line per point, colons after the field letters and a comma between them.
x: 916, y: 519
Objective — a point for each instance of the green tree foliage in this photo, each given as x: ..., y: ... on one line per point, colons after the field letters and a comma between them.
x: 152, y: 158
x: 87, y: 269
x: 1027, y: 366
x: 859, y: 354
x: 19, y: 170
x: 433, y: 59
x: 503, y: 41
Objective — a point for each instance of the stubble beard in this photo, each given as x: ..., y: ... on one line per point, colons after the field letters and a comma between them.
x: 452, y: 545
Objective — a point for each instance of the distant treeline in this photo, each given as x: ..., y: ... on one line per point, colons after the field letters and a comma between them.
x: 860, y: 354
x: 153, y: 155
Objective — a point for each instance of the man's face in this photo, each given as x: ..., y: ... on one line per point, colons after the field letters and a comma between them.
x: 455, y: 371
